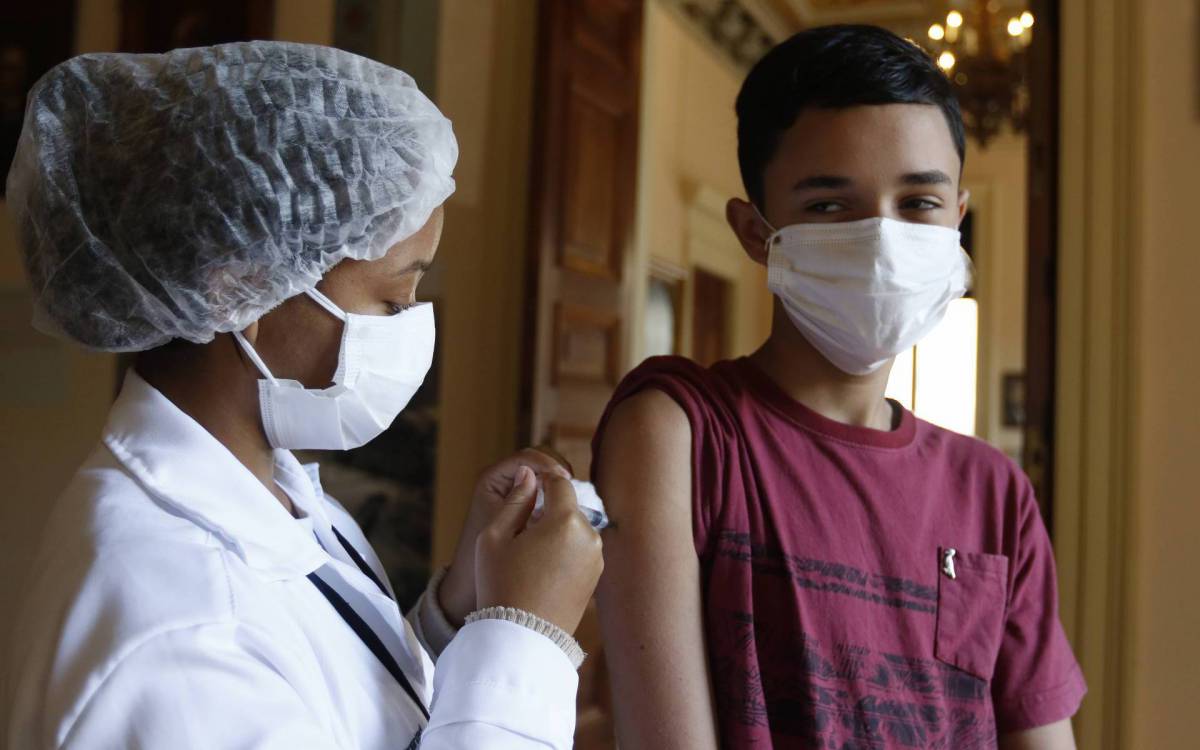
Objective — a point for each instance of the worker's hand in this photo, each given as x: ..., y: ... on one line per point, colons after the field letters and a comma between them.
x: 549, y: 567
x: 457, y: 593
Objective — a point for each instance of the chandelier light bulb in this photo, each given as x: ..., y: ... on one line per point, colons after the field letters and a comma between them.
x: 946, y: 60
x: 1027, y: 20
x: 1015, y: 28
x: 954, y: 19
x: 937, y: 33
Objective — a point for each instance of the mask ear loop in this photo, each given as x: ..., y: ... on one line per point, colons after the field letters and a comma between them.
x: 331, y: 307
x: 763, y: 219
x: 253, y: 355
x: 328, y: 304
x: 248, y: 348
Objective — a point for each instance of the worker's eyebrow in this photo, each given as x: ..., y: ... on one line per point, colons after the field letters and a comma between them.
x: 823, y: 182
x: 416, y: 265
x: 930, y: 177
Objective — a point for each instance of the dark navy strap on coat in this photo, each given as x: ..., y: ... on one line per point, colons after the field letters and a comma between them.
x: 360, y: 562
x: 363, y: 630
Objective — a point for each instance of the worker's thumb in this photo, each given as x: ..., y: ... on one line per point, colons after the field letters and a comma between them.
x: 514, y: 513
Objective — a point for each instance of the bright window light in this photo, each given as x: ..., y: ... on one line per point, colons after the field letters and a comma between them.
x: 900, y: 382
x: 939, y: 374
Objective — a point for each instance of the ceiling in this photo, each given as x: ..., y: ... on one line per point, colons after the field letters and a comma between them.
x: 772, y: 21
x: 781, y: 18
x: 820, y: 12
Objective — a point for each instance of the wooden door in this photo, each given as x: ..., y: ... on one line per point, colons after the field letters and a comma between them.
x: 1041, y: 311
x: 585, y: 144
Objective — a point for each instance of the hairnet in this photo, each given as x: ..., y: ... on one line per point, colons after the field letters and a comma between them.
x: 185, y: 194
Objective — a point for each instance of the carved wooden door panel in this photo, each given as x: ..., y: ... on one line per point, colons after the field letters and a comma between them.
x: 585, y: 143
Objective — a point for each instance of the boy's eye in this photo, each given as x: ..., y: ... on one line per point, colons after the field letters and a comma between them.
x: 921, y: 204
x: 825, y: 207
x: 395, y: 308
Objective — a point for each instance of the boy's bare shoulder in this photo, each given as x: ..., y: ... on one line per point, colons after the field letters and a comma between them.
x: 649, y: 412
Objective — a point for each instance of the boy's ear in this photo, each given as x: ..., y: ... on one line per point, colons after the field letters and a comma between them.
x: 750, y: 229
x: 964, y: 203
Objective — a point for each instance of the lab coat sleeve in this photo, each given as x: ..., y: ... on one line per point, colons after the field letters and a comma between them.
x: 502, y: 686
x: 205, y: 686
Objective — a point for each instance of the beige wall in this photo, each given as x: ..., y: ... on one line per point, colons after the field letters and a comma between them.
x: 485, y: 85
x: 308, y: 21
x: 1166, y: 348
x: 687, y: 168
x: 996, y: 178
x: 55, y: 396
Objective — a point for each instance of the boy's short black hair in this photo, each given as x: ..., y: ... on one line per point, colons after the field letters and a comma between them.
x: 833, y: 67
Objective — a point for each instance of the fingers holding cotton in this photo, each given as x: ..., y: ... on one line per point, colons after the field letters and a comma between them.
x: 186, y: 194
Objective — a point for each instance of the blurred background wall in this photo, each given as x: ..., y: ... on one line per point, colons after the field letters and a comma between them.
x: 1165, y: 600
x: 55, y: 397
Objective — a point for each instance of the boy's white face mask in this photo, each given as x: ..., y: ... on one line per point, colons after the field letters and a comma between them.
x: 862, y: 292
x: 382, y: 362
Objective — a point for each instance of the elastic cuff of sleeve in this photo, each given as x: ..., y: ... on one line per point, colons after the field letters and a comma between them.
x: 560, y: 637
x: 435, y: 626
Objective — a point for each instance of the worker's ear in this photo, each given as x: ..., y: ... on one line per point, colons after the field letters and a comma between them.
x: 251, y: 332
x: 251, y: 335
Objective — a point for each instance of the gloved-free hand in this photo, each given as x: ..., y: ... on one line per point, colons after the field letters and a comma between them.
x: 549, y: 566
x: 457, y: 594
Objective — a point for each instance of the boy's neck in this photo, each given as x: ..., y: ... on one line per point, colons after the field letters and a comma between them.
x: 807, y: 377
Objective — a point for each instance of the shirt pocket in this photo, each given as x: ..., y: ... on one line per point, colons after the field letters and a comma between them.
x: 972, y: 597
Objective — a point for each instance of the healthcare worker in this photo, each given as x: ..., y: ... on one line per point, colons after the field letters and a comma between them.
x: 253, y: 220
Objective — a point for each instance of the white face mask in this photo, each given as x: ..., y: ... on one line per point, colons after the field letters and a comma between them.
x: 862, y: 292
x: 382, y: 362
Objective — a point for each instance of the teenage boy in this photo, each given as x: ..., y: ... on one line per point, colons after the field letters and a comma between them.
x: 795, y: 560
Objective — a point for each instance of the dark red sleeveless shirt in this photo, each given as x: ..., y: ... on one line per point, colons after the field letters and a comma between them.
x: 863, y: 589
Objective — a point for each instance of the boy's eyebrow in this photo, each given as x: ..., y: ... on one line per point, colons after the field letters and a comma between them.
x: 931, y: 177
x: 823, y: 182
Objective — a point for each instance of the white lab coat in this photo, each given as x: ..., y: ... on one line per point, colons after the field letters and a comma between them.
x: 169, y: 608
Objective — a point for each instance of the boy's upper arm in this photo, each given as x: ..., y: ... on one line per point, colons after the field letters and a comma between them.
x: 647, y: 440
x: 651, y: 610
x: 1056, y: 736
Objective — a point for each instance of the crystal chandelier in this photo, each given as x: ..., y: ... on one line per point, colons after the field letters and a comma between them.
x: 982, y: 47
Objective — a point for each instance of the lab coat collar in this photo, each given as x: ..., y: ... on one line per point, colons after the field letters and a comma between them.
x: 187, y: 469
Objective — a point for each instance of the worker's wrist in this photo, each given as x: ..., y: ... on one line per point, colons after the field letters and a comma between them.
x: 434, y: 628
x: 557, y: 635
x: 455, y: 595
